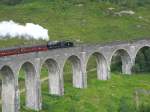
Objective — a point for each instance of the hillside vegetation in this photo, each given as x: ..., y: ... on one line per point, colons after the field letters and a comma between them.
x: 84, y: 21
x: 89, y: 21
x: 114, y: 95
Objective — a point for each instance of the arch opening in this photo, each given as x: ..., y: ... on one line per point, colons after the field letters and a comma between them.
x: 50, y: 77
x: 27, y: 86
x: 121, y: 62
x: 97, y: 62
x: 142, y: 60
x: 73, y: 72
x: 8, y: 90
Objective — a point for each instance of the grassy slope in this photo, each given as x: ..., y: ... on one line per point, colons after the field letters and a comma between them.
x: 87, y: 21
x: 100, y: 96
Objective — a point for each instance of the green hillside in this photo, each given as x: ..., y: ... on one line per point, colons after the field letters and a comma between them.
x: 88, y: 21
x: 80, y: 20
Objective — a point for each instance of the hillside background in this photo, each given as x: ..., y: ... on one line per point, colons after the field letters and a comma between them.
x: 82, y: 21
x: 88, y: 21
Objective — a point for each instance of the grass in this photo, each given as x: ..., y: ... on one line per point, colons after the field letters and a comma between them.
x: 100, y: 96
x: 83, y: 21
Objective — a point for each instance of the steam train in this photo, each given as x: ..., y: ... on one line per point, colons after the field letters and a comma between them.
x: 50, y: 45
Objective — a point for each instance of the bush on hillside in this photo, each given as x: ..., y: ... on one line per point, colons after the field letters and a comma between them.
x: 10, y: 2
x: 142, y: 61
x: 116, y: 64
x: 125, y: 106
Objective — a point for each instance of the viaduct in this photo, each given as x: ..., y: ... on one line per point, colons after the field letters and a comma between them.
x: 55, y: 61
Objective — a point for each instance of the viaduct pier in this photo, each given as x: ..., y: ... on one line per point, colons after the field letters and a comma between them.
x: 55, y: 60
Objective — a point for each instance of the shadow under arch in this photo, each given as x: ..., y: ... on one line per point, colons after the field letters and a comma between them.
x: 27, y: 73
x: 97, y: 61
x: 50, y: 71
x: 121, y: 61
x: 76, y: 77
x: 142, y: 60
x: 8, y: 90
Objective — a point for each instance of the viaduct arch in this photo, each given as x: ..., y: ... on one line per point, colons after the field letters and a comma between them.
x: 55, y: 61
x: 101, y: 65
x: 8, y: 89
x: 30, y: 80
x: 125, y: 59
x: 76, y: 70
x: 53, y: 75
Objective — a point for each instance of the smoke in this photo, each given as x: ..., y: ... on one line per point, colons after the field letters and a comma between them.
x: 28, y: 31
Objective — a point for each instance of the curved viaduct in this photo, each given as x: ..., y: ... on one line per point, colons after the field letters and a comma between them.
x: 55, y: 61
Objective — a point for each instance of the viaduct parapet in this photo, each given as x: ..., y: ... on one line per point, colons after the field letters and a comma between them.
x: 55, y: 61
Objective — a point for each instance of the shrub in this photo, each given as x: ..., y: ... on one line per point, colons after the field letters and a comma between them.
x: 11, y: 2
x: 142, y: 61
x: 125, y: 106
x: 116, y: 65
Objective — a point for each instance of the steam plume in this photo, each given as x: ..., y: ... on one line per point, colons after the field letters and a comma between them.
x: 28, y: 31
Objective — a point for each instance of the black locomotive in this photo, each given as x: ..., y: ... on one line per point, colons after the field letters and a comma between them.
x: 59, y: 44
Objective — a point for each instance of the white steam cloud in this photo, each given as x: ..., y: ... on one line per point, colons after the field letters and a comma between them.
x: 28, y: 31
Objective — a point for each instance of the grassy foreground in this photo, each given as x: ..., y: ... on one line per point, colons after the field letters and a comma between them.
x: 86, y: 21
x: 114, y: 95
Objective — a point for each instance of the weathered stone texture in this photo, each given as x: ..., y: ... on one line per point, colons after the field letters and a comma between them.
x: 55, y: 61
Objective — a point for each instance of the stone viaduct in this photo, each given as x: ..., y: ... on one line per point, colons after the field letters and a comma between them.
x: 55, y: 61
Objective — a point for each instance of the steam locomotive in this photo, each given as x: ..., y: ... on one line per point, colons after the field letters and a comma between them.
x: 50, y: 45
